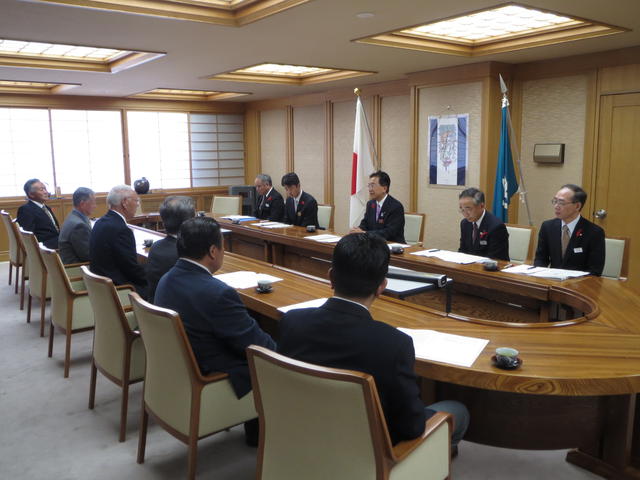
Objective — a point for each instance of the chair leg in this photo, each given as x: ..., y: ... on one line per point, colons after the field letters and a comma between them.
x: 10, y: 272
x: 193, y: 457
x: 142, y: 438
x: 92, y: 385
x: 21, y: 290
x: 67, y: 353
x: 50, y: 339
x: 124, y: 404
x: 43, y: 304
x: 29, y: 309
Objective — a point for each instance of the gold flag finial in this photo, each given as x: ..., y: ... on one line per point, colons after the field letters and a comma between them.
x: 357, y: 91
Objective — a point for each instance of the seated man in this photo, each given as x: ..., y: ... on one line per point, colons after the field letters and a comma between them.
x: 384, y: 215
x: 217, y: 323
x: 342, y: 334
x: 481, y: 232
x: 112, y: 249
x: 34, y: 216
x: 570, y: 241
x: 301, y: 208
x: 76, y: 229
x: 269, y: 204
x: 164, y: 253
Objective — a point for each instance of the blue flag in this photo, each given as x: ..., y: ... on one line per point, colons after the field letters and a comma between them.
x: 506, y: 183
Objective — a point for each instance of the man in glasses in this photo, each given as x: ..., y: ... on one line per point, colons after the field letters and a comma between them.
x: 570, y: 241
x: 384, y: 215
x: 481, y: 232
x: 35, y: 216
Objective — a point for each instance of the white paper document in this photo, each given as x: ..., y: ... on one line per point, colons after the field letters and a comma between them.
x: 444, y: 347
x: 271, y: 225
x: 324, y: 238
x: 449, y: 256
x: 543, y: 272
x: 401, y: 245
x: 244, y: 279
x: 401, y: 286
x: 310, y: 304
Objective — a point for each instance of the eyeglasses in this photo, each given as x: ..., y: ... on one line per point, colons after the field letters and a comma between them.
x: 466, y: 209
x: 371, y: 185
x: 560, y: 203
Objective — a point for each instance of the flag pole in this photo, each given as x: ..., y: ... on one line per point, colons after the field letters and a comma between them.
x: 514, y: 150
x: 357, y: 93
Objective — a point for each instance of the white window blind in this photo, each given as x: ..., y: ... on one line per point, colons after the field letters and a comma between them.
x: 217, y: 149
x: 159, y: 148
x: 88, y: 149
x: 25, y: 149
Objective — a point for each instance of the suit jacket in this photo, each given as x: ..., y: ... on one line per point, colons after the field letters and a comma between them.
x: 492, y: 241
x: 33, y: 219
x: 585, y: 252
x: 341, y: 334
x: 163, y: 255
x: 390, y: 223
x: 217, y: 323
x: 74, y: 238
x: 271, y: 207
x: 306, y: 214
x: 112, y: 252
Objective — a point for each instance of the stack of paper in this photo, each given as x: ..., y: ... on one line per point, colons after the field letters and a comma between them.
x: 310, y: 304
x: 325, y: 238
x: 449, y: 256
x: 444, y: 347
x: 543, y: 272
x: 245, y: 279
x: 271, y: 225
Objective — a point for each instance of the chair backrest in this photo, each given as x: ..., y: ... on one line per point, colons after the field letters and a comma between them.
x: 521, y: 239
x: 226, y: 205
x: 15, y: 254
x: 58, y: 284
x: 413, y: 227
x: 248, y: 194
x: 325, y: 216
x: 170, y: 364
x: 111, y: 326
x: 616, y: 260
x: 324, y: 422
x: 35, y: 264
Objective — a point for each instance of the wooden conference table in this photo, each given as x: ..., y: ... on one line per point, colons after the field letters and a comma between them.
x: 579, y: 380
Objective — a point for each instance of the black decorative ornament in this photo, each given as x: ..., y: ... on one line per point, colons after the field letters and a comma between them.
x: 141, y: 186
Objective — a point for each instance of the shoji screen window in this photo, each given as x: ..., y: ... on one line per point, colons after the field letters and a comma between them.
x: 87, y: 147
x: 217, y: 149
x: 159, y: 148
x: 25, y: 149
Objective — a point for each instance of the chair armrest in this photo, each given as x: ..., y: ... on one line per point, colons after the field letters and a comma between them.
x: 403, y: 449
x: 73, y: 265
x: 75, y: 279
x: 127, y: 308
x: 213, y: 377
x: 126, y: 285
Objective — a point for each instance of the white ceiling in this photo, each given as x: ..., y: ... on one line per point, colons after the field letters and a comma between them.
x: 317, y: 33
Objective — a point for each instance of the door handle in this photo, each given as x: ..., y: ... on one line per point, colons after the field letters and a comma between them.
x: 600, y: 214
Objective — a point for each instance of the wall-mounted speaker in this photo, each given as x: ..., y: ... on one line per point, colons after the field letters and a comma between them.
x: 548, y: 153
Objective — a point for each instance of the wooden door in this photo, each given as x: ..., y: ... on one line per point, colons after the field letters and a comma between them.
x: 618, y: 173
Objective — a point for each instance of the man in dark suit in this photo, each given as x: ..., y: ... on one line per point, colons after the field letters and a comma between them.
x: 217, y: 323
x: 481, y: 232
x: 112, y: 249
x: 35, y: 216
x: 76, y: 229
x: 342, y: 334
x: 384, y: 214
x: 301, y: 209
x: 570, y: 241
x: 164, y: 253
x: 269, y: 204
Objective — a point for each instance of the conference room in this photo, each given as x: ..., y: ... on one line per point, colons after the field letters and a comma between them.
x: 200, y: 99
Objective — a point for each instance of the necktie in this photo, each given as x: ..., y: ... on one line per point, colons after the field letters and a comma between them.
x: 377, y: 211
x: 46, y: 210
x: 474, y: 237
x: 565, y: 239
